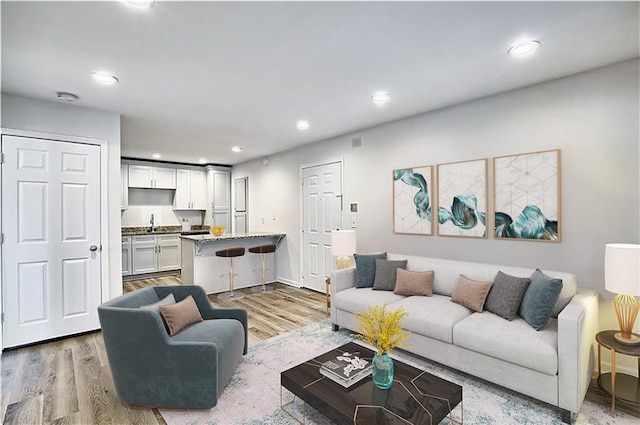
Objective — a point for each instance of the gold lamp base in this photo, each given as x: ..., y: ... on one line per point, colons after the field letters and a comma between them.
x: 343, y: 261
x: 626, y: 308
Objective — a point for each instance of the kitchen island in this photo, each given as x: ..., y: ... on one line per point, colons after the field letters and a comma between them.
x: 201, y: 266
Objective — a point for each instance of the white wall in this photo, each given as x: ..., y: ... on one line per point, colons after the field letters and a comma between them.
x: 53, y: 117
x: 159, y: 202
x: 592, y: 117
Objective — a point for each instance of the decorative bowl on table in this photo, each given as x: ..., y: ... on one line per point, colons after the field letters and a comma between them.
x: 217, y: 230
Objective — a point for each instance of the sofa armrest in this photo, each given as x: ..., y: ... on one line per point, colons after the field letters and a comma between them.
x: 577, y: 326
x: 340, y: 280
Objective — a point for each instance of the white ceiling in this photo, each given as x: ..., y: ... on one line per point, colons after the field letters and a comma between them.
x: 197, y: 78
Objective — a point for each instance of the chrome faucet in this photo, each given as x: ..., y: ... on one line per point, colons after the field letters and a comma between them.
x: 151, y: 222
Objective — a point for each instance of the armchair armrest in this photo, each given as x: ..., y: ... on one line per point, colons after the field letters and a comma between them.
x: 577, y: 326
x: 207, y: 310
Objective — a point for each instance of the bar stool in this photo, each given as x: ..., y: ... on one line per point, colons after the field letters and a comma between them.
x: 230, y: 253
x: 263, y: 250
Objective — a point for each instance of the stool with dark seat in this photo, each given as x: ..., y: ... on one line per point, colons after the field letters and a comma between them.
x: 263, y: 250
x: 230, y: 253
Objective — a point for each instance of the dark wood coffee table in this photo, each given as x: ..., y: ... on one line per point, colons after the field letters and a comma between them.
x: 416, y: 397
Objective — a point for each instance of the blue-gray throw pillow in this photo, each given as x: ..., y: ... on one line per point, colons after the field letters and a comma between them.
x: 506, y: 295
x: 539, y: 299
x: 385, y: 279
x: 366, y: 268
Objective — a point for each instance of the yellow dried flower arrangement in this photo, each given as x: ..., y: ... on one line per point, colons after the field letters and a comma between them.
x: 382, y: 328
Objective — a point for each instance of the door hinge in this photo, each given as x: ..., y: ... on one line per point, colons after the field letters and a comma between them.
x: 2, y: 318
x: 2, y: 158
x: 1, y: 238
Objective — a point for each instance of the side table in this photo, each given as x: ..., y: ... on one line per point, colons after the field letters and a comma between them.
x: 619, y: 386
x: 327, y: 286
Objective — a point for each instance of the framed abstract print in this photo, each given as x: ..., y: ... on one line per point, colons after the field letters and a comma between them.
x: 526, y: 190
x: 412, y: 200
x: 462, y: 199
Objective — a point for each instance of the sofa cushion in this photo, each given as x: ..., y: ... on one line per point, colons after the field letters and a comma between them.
x: 359, y: 299
x: 447, y: 272
x: 227, y: 334
x: 539, y: 299
x: 414, y: 283
x: 433, y: 317
x: 506, y: 294
x: 181, y: 314
x: 513, y: 341
x: 385, y: 279
x: 471, y: 293
x: 366, y: 268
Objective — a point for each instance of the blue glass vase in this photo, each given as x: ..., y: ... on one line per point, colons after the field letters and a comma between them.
x: 382, y: 371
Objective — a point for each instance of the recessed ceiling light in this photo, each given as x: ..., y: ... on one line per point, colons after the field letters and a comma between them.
x: 104, y: 78
x: 380, y: 98
x: 66, y: 96
x: 202, y: 160
x: 303, y: 125
x: 523, y: 48
x: 156, y: 156
x: 237, y: 149
x: 138, y: 4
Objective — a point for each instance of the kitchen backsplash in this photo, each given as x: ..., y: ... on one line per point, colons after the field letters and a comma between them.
x: 144, y: 202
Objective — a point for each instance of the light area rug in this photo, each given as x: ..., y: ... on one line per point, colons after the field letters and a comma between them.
x: 252, y: 397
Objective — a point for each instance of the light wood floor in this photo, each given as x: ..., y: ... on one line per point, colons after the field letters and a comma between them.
x: 68, y: 381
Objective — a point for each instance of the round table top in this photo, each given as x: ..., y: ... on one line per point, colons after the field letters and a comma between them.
x: 605, y: 338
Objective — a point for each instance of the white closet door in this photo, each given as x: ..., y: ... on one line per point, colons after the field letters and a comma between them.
x: 51, y: 253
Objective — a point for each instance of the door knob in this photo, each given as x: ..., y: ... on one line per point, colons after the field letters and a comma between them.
x: 93, y: 248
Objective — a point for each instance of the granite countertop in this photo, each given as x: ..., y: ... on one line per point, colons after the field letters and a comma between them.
x: 133, y: 231
x: 230, y: 236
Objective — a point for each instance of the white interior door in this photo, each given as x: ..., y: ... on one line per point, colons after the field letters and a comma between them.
x: 321, y: 212
x: 51, y: 254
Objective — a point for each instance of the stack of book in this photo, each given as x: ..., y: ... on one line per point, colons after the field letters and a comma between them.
x: 346, y: 369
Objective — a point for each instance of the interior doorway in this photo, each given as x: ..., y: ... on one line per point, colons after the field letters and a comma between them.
x: 321, y: 214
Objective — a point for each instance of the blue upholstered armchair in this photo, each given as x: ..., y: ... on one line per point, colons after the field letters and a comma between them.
x: 187, y: 370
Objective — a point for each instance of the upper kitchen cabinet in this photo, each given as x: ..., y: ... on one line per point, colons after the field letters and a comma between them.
x: 144, y: 176
x: 218, y: 197
x: 124, y: 186
x: 191, y: 187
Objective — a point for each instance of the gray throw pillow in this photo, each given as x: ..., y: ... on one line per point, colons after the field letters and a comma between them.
x: 539, y: 299
x: 506, y: 294
x: 385, y: 279
x: 366, y: 268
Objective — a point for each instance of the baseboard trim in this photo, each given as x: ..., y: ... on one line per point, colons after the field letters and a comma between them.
x: 289, y: 282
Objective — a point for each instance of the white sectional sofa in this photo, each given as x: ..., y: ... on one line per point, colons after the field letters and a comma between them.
x: 554, y: 364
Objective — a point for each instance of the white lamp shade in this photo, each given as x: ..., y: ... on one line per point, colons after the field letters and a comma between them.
x: 343, y: 242
x: 622, y: 269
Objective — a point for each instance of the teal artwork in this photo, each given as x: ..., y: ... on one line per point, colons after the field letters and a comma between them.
x: 527, y: 201
x: 412, y: 200
x: 462, y: 199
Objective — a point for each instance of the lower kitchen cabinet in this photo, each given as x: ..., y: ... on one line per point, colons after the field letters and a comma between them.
x: 126, y: 256
x: 153, y: 253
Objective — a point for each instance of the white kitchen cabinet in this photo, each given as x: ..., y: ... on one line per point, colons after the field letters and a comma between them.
x: 124, y: 186
x: 169, y: 252
x: 127, y: 268
x: 219, y: 198
x: 153, y: 253
x: 145, y: 254
x: 190, y: 190
x: 148, y: 177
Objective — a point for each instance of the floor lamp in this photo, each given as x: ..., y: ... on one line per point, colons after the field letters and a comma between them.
x: 343, y: 244
x: 622, y: 277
